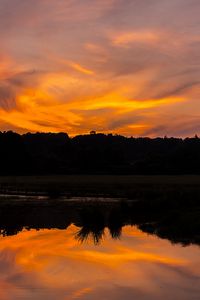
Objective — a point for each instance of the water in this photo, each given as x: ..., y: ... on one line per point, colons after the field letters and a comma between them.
x: 94, y: 252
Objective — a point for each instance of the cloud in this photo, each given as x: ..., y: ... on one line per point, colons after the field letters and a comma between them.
x: 127, y: 38
x: 81, y: 69
x: 7, y: 96
x: 13, y: 84
x: 59, y: 58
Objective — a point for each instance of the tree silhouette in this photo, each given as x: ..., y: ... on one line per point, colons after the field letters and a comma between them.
x: 96, y: 153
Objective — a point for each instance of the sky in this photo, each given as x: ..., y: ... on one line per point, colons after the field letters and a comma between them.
x: 128, y: 67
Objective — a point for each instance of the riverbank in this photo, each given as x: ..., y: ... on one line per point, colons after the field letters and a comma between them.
x: 101, y: 185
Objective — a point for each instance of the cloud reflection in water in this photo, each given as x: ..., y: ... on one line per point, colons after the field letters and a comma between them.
x: 52, y: 264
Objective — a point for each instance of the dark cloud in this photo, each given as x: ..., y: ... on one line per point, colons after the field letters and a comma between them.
x: 127, y: 119
x: 7, y: 96
x: 160, y: 130
x: 11, y: 86
x: 178, y: 90
x: 184, y: 126
x: 5, y: 126
x: 23, y: 78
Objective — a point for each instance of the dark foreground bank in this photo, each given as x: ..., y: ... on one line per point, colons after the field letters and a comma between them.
x: 122, y: 186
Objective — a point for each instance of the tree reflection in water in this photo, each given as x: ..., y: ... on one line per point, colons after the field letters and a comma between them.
x: 178, y: 223
x: 93, y: 225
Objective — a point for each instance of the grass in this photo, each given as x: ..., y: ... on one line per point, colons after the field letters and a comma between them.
x: 102, y: 185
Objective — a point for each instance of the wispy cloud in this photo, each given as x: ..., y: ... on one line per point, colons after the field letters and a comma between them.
x: 59, y: 58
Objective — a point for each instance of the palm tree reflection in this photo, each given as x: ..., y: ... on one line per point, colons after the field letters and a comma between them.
x: 92, y: 226
x: 93, y: 223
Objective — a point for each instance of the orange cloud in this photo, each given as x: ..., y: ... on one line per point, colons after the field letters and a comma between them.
x: 125, y: 38
x: 98, y: 65
x: 81, y: 69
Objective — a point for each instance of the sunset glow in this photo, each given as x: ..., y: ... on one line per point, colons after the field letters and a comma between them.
x: 52, y: 264
x: 126, y: 67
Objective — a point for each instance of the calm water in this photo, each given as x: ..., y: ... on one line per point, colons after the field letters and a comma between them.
x: 52, y: 264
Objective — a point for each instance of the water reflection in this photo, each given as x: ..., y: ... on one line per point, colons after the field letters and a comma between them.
x: 51, y: 264
x: 98, y: 250
x: 179, y: 225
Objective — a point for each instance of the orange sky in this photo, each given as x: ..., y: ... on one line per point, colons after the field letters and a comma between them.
x: 123, y: 66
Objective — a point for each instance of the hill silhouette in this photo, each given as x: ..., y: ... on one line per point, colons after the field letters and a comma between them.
x: 51, y: 153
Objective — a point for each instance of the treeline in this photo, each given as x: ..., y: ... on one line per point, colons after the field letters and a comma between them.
x: 50, y: 153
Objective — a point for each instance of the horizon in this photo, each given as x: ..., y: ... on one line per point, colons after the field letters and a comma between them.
x: 102, y: 133
x: 127, y: 67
